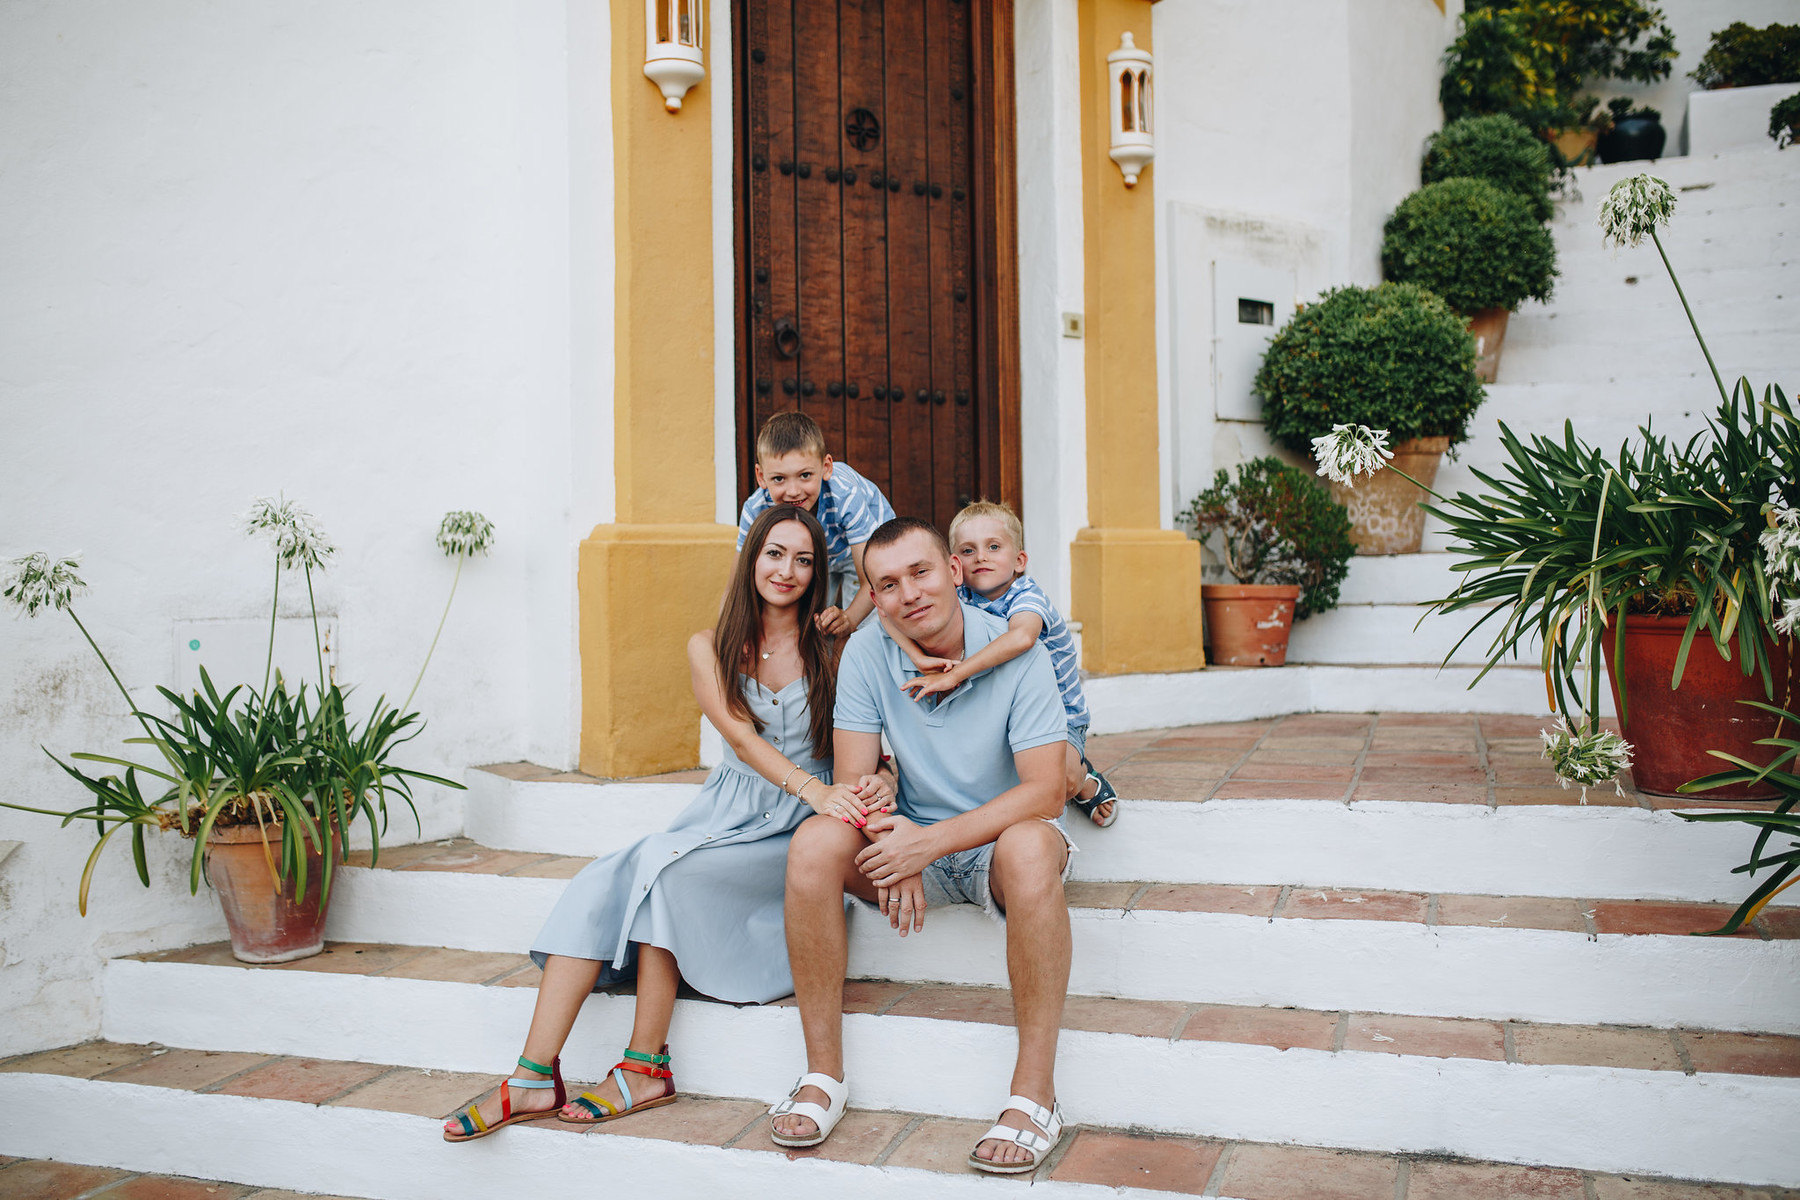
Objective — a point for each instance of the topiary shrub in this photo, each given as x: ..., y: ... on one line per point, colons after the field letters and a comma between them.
x: 1392, y: 357
x: 1279, y: 525
x: 1784, y: 122
x: 1495, y: 148
x: 1472, y: 243
x: 1742, y: 55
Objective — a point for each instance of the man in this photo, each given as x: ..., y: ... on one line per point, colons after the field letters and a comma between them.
x: 981, y: 786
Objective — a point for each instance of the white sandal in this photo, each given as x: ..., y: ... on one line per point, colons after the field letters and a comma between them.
x: 1050, y: 1120
x: 825, y: 1119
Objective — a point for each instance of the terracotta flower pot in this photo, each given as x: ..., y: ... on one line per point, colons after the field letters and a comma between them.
x: 1671, y: 731
x: 1385, y: 517
x: 267, y: 926
x: 1575, y: 145
x: 1249, y: 623
x: 1489, y: 328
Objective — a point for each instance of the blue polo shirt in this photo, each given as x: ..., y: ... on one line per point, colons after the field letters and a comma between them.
x: 954, y: 751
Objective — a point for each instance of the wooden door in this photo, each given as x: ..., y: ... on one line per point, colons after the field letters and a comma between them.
x: 862, y: 218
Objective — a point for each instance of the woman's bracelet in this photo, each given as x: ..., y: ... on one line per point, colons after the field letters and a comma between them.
x: 800, y: 792
x: 788, y: 776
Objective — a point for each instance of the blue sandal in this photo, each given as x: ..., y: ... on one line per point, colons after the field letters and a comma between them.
x: 1103, y: 794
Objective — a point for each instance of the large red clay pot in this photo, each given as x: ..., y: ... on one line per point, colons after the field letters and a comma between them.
x: 1249, y: 623
x: 267, y: 926
x: 1671, y: 731
x: 1488, y: 327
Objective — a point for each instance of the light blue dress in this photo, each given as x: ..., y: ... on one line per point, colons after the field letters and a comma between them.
x: 710, y: 889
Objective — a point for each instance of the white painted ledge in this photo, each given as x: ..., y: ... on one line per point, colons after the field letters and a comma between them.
x: 1733, y: 118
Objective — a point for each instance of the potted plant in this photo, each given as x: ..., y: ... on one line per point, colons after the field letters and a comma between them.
x: 1632, y: 133
x: 266, y: 781
x: 1778, y: 773
x: 1742, y: 55
x: 1480, y: 248
x: 1393, y: 356
x: 1287, y: 544
x: 1677, y: 566
x: 1496, y: 148
x: 1784, y: 122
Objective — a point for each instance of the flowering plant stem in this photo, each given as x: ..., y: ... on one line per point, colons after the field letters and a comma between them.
x: 406, y: 706
x: 1695, y: 325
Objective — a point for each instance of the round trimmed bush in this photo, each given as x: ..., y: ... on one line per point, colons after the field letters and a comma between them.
x: 1472, y: 243
x: 1392, y: 357
x: 1279, y: 525
x: 1495, y: 148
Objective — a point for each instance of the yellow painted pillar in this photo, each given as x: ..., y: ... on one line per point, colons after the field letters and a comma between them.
x: 1135, y: 586
x: 654, y: 577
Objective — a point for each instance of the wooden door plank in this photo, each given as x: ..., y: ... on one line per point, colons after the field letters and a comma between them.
x: 964, y: 396
x: 943, y: 112
x: 861, y: 86
x: 818, y: 218
x: 995, y: 236
x: 783, y: 259
x: 909, y: 308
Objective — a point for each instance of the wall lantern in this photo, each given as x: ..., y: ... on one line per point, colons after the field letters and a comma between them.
x: 1133, y: 146
x: 672, y: 54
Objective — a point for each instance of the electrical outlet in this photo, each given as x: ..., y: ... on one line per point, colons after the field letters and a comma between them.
x: 1071, y: 325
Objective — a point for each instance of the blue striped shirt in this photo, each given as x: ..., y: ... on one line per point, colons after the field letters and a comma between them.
x: 1026, y: 596
x: 850, y: 508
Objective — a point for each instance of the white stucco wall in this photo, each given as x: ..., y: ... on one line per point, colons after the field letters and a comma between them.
x: 356, y: 254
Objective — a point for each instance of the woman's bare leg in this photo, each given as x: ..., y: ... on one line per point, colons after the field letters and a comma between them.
x: 657, y: 979
x: 566, y: 983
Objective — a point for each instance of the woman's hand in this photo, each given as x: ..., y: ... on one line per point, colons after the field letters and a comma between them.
x: 837, y: 800
x: 875, y: 793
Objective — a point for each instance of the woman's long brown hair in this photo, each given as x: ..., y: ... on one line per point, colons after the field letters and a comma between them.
x: 737, y: 639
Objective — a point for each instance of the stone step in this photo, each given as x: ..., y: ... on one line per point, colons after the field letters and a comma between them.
x: 1503, y: 957
x: 380, y: 1122
x: 1584, y: 1098
x: 1398, y: 579
x: 1395, y: 633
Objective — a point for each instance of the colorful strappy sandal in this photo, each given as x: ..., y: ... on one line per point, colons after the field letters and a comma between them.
x: 1103, y: 794
x: 474, y: 1127
x: 602, y: 1110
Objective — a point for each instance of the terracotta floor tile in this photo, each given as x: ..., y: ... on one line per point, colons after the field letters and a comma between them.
x: 517, y: 770
x: 1254, y: 790
x: 36, y: 1179
x: 1325, y: 724
x: 524, y: 977
x: 1780, y: 922
x: 1110, y: 1014
x: 1426, y: 1037
x: 1180, y: 756
x: 168, y: 1187
x: 561, y: 867
x: 1210, y: 897
x: 860, y: 1137
x: 991, y: 1006
x: 422, y: 1093
x: 393, y: 858
x: 1139, y: 771
x: 476, y: 860
x: 1623, y: 1187
x: 1189, y: 733
x: 1417, y: 792
x: 1743, y: 1053
x: 1388, y: 743
x: 80, y: 1062
x: 1344, y: 904
x: 1470, y: 775
x: 1499, y: 726
x: 1238, y: 742
x: 212, y: 954
x: 1282, y: 1028
x: 940, y: 1144
x: 308, y: 1080
x: 458, y: 966
x: 1172, y: 790
x: 1602, y: 796
x: 1301, y: 1173
x: 188, y: 1070
x: 1436, y: 720
x: 1121, y: 1160
x: 1119, y: 743
x: 277, y: 1194
x: 1483, y: 1181
x: 1699, y: 803
x: 1422, y: 758
x: 580, y: 777
x: 1595, y: 1046
x: 1281, y: 741
x: 1340, y: 773
x: 1324, y: 758
x: 697, y: 1120
x: 873, y: 995
x: 1526, y: 777
x: 352, y: 958
x: 1086, y: 894
x: 1512, y: 912
x: 1657, y: 916
x: 697, y: 775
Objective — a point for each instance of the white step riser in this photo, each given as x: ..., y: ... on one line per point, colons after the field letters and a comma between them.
x: 1398, y: 579
x: 1392, y: 633
x: 1727, y: 1128
x: 395, y: 1156
x: 1212, y: 958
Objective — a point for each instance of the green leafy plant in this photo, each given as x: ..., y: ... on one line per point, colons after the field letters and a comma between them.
x: 1784, y: 122
x: 1277, y: 525
x: 1393, y: 356
x: 1781, y: 821
x: 1475, y: 244
x: 1742, y: 55
x: 1495, y: 148
x: 1620, y: 108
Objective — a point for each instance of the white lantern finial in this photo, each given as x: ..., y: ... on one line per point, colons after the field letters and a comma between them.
x: 1133, y: 145
x: 673, y: 56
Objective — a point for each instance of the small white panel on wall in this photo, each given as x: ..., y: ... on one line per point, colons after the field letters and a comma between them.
x: 235, y: 652
x: 1250, y: 302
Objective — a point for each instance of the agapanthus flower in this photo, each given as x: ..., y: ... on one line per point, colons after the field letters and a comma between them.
x: 1351, y: 450
x: 1587, y: 759
x: 292, y: 530
x: 39, y: 581
x: 465, y: 533
x: 1634, y: 208
x: 1788, y: 623
x: 1781, y: 550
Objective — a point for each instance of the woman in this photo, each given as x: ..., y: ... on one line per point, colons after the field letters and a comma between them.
x: 702, y: 901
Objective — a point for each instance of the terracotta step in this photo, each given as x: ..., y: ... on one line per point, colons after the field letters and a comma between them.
x: 382, y: 1120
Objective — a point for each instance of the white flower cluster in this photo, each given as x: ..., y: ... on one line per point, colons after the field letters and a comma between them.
x: 1351, y: 450
x: 39, y: 581
x: 465, y: 533
x: 1634, y: 208
x: 1591, y: 757
x: 292, y: 530
x: 1781, y: 563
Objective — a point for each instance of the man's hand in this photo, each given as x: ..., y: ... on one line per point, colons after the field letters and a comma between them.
x: 834, y: 622
x: 901, y: 850
x: 904, y: 904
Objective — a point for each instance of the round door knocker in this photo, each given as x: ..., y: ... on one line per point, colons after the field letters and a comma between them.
x: 861, y: 127
x: 787, y: 339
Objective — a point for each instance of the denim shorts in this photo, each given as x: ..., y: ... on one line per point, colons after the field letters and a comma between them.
x: 1078, y: 739
x: 962, y: 877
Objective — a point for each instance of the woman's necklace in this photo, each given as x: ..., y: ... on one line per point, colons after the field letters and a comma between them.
x: 767, y: 653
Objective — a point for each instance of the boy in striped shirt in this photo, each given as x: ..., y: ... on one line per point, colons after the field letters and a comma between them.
x: 988, y: 542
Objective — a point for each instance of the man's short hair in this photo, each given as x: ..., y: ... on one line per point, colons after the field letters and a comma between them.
x: 987, y: 508
x: 889, y: 532
x: 786, y: 432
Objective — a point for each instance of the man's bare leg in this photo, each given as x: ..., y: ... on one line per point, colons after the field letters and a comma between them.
x: 1026, y: 880
x: 821, y: 867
